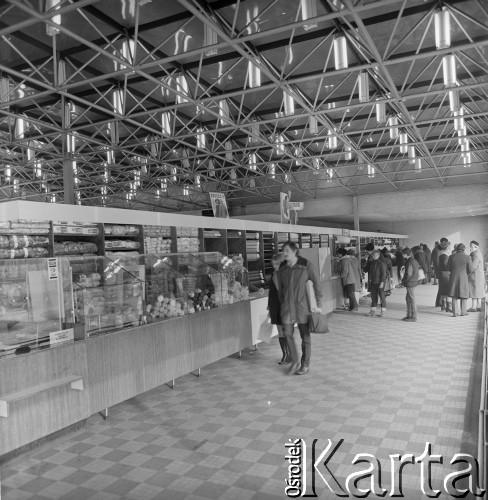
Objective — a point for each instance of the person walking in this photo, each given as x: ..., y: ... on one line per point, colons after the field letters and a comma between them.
x: 377, y: 276
x: 356, y: 262
x: 460, y: 267
x: 351, y: 278
x: 274, y: 309
x: 477, y: 278
x: 295, y: 308
x: 410, y: 281
x: 443, y: 275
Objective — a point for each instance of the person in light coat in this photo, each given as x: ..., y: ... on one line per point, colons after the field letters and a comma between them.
x: 295, y: 308
x: 460, y: 267
x: 351, y: 278
x: 477, y: 278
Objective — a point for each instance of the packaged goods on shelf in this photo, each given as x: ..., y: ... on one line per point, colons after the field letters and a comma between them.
x: 122, y: 244
x: 81, y: 230
x: 126, y: 257
x: 163, y: 231
x: 157, y: 245
x: 75, y: 248
x: 23, y: 241
x: 187, y: 231
x: 24, y: 227
x: 121, y: 230
x: 187, y: 244
x: 23, y: 253
x: 207, y: 233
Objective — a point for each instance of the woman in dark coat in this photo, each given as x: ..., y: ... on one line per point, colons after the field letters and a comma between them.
x: 274, y: 307
x: 460, y: 266
x: 428, y: 256
x: 295, y: 308
x: 420, y: 257
x: 443, y: 254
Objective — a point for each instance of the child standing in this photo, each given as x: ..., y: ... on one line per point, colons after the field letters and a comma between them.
x: 377, y: 275
x: 274, y: 307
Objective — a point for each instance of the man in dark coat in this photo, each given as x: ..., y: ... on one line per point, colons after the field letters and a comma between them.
x: 428, y: 257
x: 410, y: 281
x: 377, y: 276
x: 400, y: 262
x: 460, y: 267
x: 434, y: 261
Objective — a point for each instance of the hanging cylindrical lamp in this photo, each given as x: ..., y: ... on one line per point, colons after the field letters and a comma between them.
x: 363, y: 84
x: 252, y: 182
x: 340, y: 52
x: 309, y: 10
x: 252, y: 161
x: 211, y: 168
x: 332, y: 139
x: 254, y: 137
x: 209, y: 39
x: 418, y: 164
x: 197, y: 181
x: 224, y: 112
x: 411, y: 155
x: 61, y: 76
x: 228, y: 150
x: 288, y: 104
x: 467, y: 159
x: 118, y: 101
x: 462, y: 136
x: 313, y: 125
x: 442, y: 25
x: 253, y: 75
x: 53, y: 5
x: 348, y: 152
x: 380, y: 112
x: 403, y: 143
x: 330, y: 174
x: 4, y: 91
x: 449, y: 70
x: 360, y: 164
x: 370, y: 171
x: 454, y: 102
x: 31, y: 154
x: 201, y: 138
x: 233, y: 176
x: 272, y: 170
x: 166, y: 123
x: 182, y: 89
x: 19, y: 129
x: 459, y: 120
x: 465, y: 147
x: 393, y: 124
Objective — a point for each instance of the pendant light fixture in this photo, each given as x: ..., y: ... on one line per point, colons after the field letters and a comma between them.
x: 309, y: 10
x: 454, y: 103
x: 166, y: 123
x: 332, y: 139
x: 449, y: 70
x: 182, y: 89
x: 330, y: 174
x: 19, y: 129
x: 340, y: 52
x: 233, y: 176
x: 252, y: 182
x: 442, y: 25
x: 411, y: 155
x: 224, y: 112
x: 201, y: 138
x: 4, y: 91
x: 371, y: 171
x: 348, y: 152
x: 459, y: 120
x: 467, y: 159
x: 380, y: 112
x: 52, y: 6
x: 403, y: 143
x: 393, y: 124
x: 211, y: 168
x: 363, y: 84
x: 254, y: 137
x: 228, y: 150
x: 288, y: 104
x: 61, y: 76
x: 209, y: 39
x: 313, y: 125
x: 252, y: 161
x: 253, y: 75
x: 418, y: 164
x: 118, y: 101
x: 462, y: 136
x: 272, y: 170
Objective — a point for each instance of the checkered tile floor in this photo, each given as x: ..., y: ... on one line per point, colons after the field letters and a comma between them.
x: 382, y: 385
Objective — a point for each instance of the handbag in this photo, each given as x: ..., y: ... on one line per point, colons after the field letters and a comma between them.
x: 265, y: 330
x: 318, y: 323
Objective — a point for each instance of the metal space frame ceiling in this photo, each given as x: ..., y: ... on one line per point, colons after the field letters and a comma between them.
x: 140, y: 103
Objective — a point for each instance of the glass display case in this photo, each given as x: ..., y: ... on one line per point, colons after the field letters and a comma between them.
x: 107, y: 295
x: 35, y: 304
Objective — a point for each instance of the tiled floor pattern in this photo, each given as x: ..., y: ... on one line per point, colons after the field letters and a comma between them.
x: 382, y: 385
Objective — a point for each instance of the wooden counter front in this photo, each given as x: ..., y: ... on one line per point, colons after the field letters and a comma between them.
x: 114, y: 367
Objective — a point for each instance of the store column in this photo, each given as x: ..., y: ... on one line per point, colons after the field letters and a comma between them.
x: 68, y: 182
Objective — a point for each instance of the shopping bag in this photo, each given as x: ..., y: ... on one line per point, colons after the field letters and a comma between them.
x: 265, y: 330
x: 318, y: 323
x: 421, y: 274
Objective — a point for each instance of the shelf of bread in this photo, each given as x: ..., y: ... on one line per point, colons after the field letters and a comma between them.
x: 24, y: 239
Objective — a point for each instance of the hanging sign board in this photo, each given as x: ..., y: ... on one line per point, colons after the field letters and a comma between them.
x: 219, y: 205
x: 295, y: 205
x: 346, y: 232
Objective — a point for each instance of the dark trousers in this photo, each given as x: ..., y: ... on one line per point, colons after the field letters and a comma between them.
x: 349, y: 292
x: 376, y: 292
x: 288, y: 330
x: 410, y: 299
